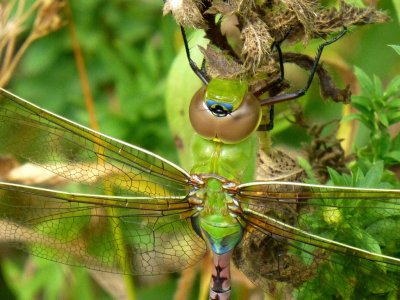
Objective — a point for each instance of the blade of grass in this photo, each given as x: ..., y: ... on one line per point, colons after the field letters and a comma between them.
x: 88, y: 96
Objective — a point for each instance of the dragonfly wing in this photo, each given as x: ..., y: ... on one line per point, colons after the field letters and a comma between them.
x: 107, y: 233
x: 314, y: 235
x: 82, y: 155
x: 144, y: 229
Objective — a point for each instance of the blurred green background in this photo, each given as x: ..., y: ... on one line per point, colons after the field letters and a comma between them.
x: 129, y: 48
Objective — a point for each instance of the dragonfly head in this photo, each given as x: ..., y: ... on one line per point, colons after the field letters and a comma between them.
x: 225, y: 110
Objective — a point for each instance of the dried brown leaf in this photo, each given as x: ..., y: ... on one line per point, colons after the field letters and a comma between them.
x: 332, y: 20
x: 278, y: 166
x: 49, y: 18
x: 325, y: 150
x: 328, y: 87
x: 306, y: 13
x: 242, y: 7
x: 257, y: 42
x: 7, y: 164
x: 187, y: 13
x: 221, y: 65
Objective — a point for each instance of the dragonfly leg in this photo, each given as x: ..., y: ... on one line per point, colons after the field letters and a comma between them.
x: 276, y: 82
x: 199, y: 72
x: 301, y: 92
x: 220, y: 285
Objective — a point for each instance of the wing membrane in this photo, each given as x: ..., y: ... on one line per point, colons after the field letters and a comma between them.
x: 78, y: 229
x: 83, y: 155
x: 341, y: 238
x: 144, y: 229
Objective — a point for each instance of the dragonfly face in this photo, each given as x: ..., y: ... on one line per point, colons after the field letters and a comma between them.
x: 225, y: 111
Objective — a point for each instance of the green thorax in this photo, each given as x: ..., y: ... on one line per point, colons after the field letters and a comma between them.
x: 234, y: 162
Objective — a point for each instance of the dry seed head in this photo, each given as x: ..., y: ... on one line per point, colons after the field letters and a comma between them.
x: 306, y: 13
x: 48, y: 18
x: 241, y: 7
x: 186, y: 12
x: 220, y: 64
x: 262, y: 23
x: 257, y: 42
x: 9, y: 27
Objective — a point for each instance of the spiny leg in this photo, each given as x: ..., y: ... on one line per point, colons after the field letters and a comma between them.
x: 281, y: 77
x: 275, y: 82
x: 301, y: 92
x: 193, y: 65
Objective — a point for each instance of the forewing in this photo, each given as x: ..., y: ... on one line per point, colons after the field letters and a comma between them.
x: 82, y: 155
x: 322, y: 241
x: 139, y: 221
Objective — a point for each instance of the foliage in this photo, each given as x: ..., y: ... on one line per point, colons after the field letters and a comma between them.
x: 128, y: 48
x: 378, y: 110
x: 45, y: 17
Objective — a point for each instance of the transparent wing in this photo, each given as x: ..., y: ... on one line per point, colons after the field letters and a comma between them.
x: 134, y: 217
x: 116, y: 234
x: 324, y: 241
x: 82, y: 155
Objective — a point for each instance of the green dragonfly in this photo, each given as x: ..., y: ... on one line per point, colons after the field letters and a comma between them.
x: 141, y: 214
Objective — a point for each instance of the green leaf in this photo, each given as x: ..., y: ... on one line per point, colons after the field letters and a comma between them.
x: 396, y: 141
x: 374, y: 175
x: 396, y: 47
x: 366, y: 121
x: 358, y: 3
x: 350, y: 117
x: 306, y: 166
x: 362, y: 101
x: 357, y: 177
x: 362, y: 104
x: 383, y: 118
x: 378, y: 88
x: 335, y: 176
x: 364, y: 240
x: 396, y: 5
x: 382, y: 229
x: 394, y: 155
x: 383, y: 144
x: 395, y: 117
x: 365, y: 81
x: 393, y: 87
x: 395, y: 103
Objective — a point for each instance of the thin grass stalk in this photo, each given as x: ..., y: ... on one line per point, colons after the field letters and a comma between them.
x: 88, y: 96
x: 185, y: 283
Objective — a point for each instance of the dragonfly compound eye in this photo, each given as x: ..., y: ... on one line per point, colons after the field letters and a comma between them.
x: 219, y: 109
x: 214, y: 123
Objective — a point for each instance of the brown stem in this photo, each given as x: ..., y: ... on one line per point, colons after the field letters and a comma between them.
x: 80, y: 64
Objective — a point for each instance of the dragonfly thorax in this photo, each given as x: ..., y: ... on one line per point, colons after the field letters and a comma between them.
x: 217, y: 221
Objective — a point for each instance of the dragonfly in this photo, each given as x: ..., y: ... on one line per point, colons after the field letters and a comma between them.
x: 141, y: 214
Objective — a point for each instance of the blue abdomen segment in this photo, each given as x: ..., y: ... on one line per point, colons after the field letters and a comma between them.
x: 222, y: 237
